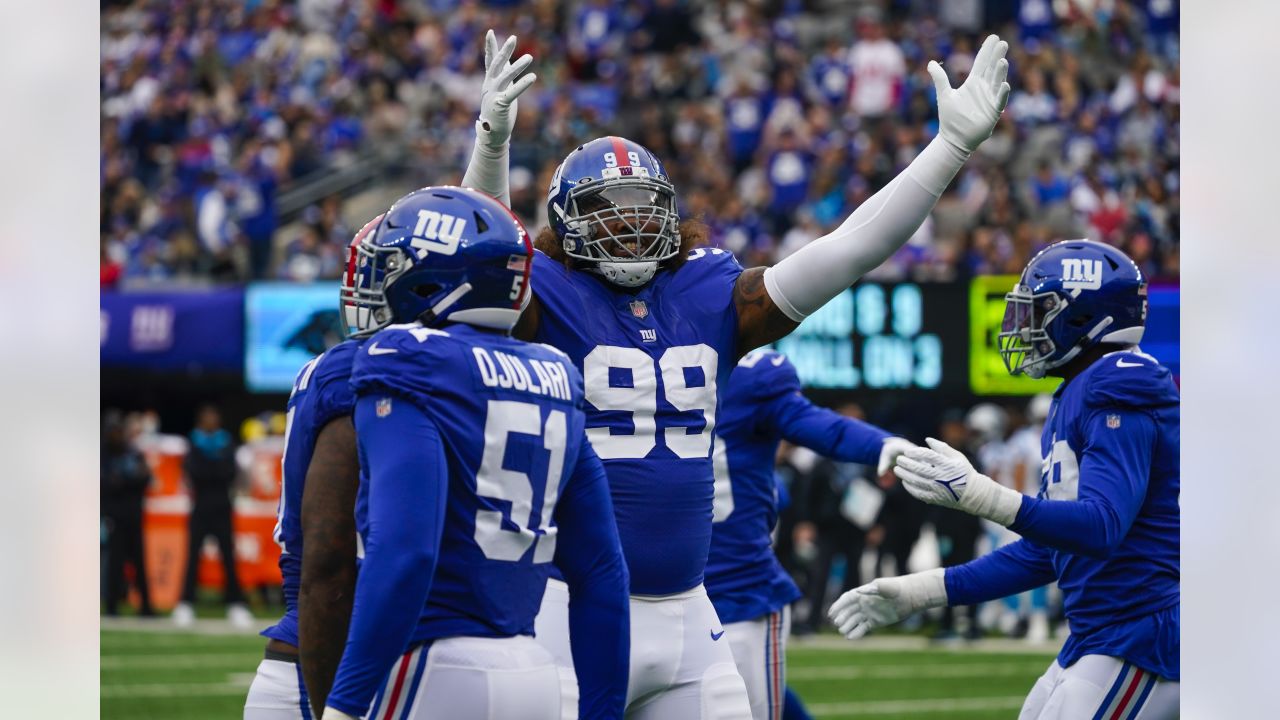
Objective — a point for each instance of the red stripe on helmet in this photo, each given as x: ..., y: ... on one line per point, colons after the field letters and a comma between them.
x: 620, y: 151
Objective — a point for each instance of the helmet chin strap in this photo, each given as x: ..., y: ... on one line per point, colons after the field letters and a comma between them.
x: 628, y: 274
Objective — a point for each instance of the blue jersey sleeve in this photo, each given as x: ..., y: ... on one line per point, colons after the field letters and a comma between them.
x: 1114, y: 469
x: 786, y: 412
x: 589, y: 555
x: 332, y: 384
x: 824, y: 431
x: 1012, y: 569
x: 408, y: 483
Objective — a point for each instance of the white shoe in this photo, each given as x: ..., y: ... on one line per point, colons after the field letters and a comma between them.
x: 240, y: 616
x: 183, y: 615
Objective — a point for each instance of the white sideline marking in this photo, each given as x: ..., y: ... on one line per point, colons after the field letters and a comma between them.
x: 908, y: 672
x: 936, y: 705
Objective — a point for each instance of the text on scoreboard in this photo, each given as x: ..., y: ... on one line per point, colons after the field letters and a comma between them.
x: 884, y: 336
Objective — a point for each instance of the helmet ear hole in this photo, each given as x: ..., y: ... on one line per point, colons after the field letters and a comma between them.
x: 426, y: 290
x: 1080, y: 321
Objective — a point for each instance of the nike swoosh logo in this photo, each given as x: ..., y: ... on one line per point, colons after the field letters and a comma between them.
x: 375, y: 350
x: 716, y: 635
x: 1122, y: 363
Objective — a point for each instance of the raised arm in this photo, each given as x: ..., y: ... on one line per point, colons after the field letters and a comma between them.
x: 771, y: 302
x: 329, y: 563
x: 489, y: 169
x: 589, y: 554
x: 408, y: 483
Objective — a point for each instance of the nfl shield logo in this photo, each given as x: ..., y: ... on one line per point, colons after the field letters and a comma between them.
x: 639, y: 309
x: 1113, y: 421
x: 383, y: 408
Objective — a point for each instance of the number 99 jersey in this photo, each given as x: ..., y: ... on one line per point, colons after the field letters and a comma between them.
x: 653, y: 360
x: 509, y: 419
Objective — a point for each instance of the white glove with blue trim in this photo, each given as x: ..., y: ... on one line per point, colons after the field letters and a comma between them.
x: 941, y: 475
x: 336, y: 714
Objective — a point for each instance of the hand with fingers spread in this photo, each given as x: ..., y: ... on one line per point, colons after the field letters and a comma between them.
x: 941, y: 475
x: 500, y: 90
x: 886, y: 601
x: 967, y: 115
x: 488, y: 170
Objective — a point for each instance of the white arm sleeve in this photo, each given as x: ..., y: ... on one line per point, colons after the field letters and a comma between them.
x: 808, y: 279
x: 489, y: 168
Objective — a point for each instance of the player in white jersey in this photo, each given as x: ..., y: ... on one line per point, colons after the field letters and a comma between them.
x: 655, y: 326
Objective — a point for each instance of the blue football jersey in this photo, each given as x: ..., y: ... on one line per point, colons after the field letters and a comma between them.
x: 508, y: 414
x: 761, y: 406
x: 652, y: 360
x: 1105, y: 523
x: 321, y: 392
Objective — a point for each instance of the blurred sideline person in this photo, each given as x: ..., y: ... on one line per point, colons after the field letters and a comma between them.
x: 1024, y: 460
x: 957, y: 534
x: 655, y: 326
x: 1105, y: 523
x: 748, y: 587
x: 210, y: 468
x: 124, y: 480
x: 317, y: 496
x: 476, y: 474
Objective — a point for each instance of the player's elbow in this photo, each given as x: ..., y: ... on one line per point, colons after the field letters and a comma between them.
x: 606, y: 578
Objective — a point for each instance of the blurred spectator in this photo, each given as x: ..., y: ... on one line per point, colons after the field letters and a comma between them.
x: 957, y: 531
x: 210, y: 467
x: 213, y: 112
x: 125, y: 477
x: 820, y: 500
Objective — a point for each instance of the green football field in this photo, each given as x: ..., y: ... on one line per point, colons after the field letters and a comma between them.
x: 150, y: 671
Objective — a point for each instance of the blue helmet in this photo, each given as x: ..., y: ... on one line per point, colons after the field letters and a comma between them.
x: 1073, y: 295
x: 440, y: 254
x: 613, y: 208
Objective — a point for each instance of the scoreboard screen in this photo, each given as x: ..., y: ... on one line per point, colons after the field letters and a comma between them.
x: 883, y: 336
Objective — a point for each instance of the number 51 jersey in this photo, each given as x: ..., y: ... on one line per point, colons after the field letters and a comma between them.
x: 509, y: 417
x: 652, y: 362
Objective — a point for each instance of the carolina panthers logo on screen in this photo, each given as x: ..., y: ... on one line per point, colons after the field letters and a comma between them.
x: 1080, y: 274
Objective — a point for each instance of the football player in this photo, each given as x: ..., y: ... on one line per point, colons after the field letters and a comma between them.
x: 320, y: 456
x: 1105, y: 521
x: 761, y: 406
x: 475, y: 474
x: 655, y: 327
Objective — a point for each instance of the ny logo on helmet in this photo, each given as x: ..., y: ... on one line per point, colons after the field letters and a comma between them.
x: 436, y: 232
x: 1079, y: 274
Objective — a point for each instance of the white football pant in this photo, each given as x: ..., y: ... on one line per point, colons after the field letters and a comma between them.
x: 760, y: 651
x: 681, y: 664
x: 471, y: 678
x: 1102, y: 688
x: 277, y: 693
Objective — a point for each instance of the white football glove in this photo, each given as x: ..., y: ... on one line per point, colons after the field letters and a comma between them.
x: 336, y: 714
x: 968, y: 115
x: 942, y: 475
x: 500, y: 89
x: 889, y: 451
x: 886, y: 601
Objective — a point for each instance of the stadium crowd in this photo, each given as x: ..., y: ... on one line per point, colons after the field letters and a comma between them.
x: 775, y: 118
